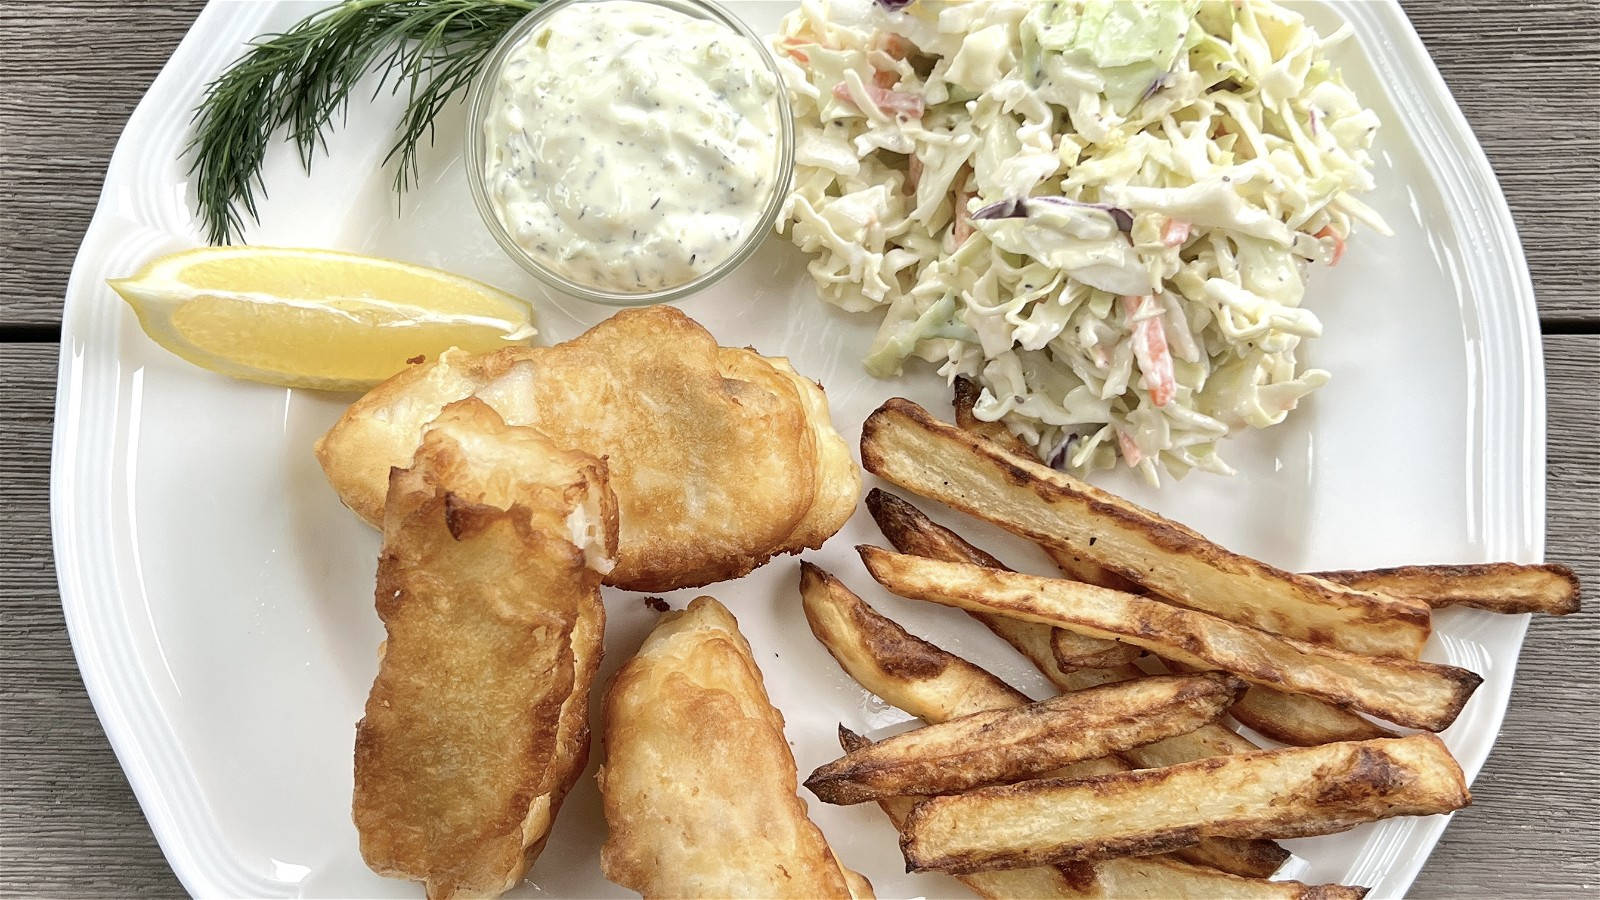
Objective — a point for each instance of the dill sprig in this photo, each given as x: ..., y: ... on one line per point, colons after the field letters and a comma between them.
x: 300, y: 79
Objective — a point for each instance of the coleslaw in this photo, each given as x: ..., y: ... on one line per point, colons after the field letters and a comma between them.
x: 1102, y: 211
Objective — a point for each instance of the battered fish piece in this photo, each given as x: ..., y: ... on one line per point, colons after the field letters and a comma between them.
x: 838, y: 480
x: 713, y: 452
x: 699, y: 786
x: 489, y: 588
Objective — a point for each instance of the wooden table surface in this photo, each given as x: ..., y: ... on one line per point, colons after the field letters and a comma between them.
x: 1524, y: 73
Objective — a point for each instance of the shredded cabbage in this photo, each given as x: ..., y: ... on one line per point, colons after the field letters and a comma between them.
x: 1101, y: 210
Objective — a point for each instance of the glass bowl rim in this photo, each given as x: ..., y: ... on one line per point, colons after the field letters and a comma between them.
x: 481, y: 94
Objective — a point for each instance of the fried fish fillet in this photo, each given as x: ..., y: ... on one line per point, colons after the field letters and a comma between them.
x: 713, y: 452
x: 838, y: 478
x: 489, y: 589
x: 699, y: 786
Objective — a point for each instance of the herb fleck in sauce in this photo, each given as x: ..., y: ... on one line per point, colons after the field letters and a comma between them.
x: 636, y: 142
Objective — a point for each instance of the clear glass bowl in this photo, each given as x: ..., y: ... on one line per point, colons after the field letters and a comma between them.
x: 482, y: 94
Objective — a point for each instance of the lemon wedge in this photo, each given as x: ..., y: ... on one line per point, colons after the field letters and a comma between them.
x: 315, y: 318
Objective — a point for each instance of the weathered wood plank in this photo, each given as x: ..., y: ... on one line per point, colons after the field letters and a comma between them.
x: 73, y: 72
x: 1512, y: 68
x: 69, y: 825
x: 1533, y: 827
x: 75, y: 69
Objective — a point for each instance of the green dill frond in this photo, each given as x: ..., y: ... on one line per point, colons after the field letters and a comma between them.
x: 299, y: 80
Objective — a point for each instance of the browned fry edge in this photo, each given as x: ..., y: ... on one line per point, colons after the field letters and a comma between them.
x: 1174, y: 537
x: 966, y: 393
x: 1371, y: 769
x: 1464, y: 682
x: 1079, y: 876
x: 895, y: 650
x: 1298, y: 732
x: 1119, y: 654
x: 1565, y: 603
x: 851, y: 779
x: 911, y: 531
x: 898, y: 653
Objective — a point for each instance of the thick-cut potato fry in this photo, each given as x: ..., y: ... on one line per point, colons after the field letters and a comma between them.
x: 965, y: 396
x: 1403, y: 691
x: 903, y: 443
x: 699, y: 784
x: 1129, y: 878
x: 999, y: 746
x: 913, y: 532
x: 1071, y: 650
x: 1301, y: 720
x: 1291, y: 718
x: 1202, y: 743
x: 910, y: 531
x: 904, y: 670
x: 477, y: 723
x: 937, y: 686
x: 1294, y: 792
x: 1498, y: 587
x: 1297, y: 719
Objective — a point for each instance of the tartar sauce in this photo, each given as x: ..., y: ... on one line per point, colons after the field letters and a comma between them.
x: 630, y: 147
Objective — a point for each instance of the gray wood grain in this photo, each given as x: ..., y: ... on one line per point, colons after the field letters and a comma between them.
x: 69, y: 826
x: 70, y: 75
x: 1517, y: 69
x: 1533, y: 827
x: 73, y: 71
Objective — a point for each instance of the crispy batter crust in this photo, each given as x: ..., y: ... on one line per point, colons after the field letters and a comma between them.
x: 699, y: 785
x: 713, y: 454
x: 476, y: 725
x: 903, y: 443
x: 838, y: 478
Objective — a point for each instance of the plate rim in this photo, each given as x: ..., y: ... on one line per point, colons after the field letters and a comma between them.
x: 1508, y: 350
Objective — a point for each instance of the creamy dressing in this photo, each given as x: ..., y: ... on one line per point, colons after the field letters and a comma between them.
x: 631, y: 147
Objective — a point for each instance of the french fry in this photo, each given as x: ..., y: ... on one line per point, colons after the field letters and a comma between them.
x: 1294, y: 792
x: 904, y: 670
x: 1071, y: 651
x: 1301, y: 720
x: 903, y: 443
x: 1290, y: 718
x: 937, y: 686
x: 1406, y: 692
x: 1202, y: 743
x: 1498, y: 587
x: 1296, y: 718
x: 1165, y: 878
x: 965, y: 396
x: 910, y: 531
x: 1000, y: 746
x: 1147, y: 877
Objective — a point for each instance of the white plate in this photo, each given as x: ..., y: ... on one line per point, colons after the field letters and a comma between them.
x: 220, y: 598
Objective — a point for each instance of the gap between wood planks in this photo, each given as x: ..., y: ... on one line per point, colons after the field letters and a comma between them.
x: 51, y: 334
